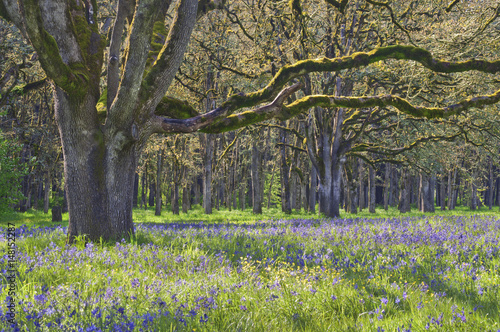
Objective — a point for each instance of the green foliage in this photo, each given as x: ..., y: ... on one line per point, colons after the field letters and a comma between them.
x: 11, y: 171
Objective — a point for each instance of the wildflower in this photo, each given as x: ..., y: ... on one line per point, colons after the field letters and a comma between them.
x: 242, y: 307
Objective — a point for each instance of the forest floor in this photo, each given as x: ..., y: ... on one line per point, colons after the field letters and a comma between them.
x: 234, y: 271
x: 39, y: 219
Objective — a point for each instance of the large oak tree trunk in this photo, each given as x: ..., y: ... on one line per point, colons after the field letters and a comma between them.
x: 99, y: 171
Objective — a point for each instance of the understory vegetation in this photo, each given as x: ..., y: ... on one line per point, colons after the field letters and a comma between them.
x: 407, y: 273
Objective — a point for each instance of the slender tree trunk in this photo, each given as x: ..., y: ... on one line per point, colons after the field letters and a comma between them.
x: 269, y: 193
x: 450, y: 190
x: 371, y: 189
x: 404, y: 195
x: 442, y: 190
x: 432, y: 192
x: 46, y: 193
x: 426, y: 201
x: 312, y: 190
x: 186, y: 199
x: 285, y: 186
x: 256, y: 175
x: 197, y: 194
x: 136, y: 190
x: 143, y: 193
x: 159, y: 166
x: 361, y: 186
x: 175, y: 198
x: 209, y: 141
x: 387, y: 184
x: 243, y: 188
x: 490, y: 184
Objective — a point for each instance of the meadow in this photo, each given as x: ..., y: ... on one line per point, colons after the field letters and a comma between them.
x: 231, y: 272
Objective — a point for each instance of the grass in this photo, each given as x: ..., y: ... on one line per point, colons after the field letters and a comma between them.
x: 34, y: 218
x: 233, y: 272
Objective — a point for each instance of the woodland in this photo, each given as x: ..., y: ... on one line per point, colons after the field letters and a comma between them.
x: 312, y: 105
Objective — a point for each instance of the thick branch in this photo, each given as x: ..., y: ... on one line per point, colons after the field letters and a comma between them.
x: 401, y: 104
x: 157, y: 81
x: 124, y: 6
x: 139, y: 41
x: 356, y: 60
x: 218, y: 121
x: 66, y: 73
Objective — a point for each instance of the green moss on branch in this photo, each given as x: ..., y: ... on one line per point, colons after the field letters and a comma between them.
x: 175, y: 109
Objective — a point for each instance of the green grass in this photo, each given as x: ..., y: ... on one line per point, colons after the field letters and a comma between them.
x: 39, y: 219
x: 273, y: 276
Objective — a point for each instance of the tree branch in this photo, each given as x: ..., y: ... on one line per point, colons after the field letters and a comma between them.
x: 124, y: 9
x: 158, y: 80
x: 67, y: 73
x: 219, y: 120
x: 140, y: 37
x: 305, y: 103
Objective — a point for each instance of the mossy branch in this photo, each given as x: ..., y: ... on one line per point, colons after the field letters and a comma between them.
x: 305, y: 103
x: 356, y: 60
x: 48, y: 51
x: 220, y: 120
x: 175, y: 109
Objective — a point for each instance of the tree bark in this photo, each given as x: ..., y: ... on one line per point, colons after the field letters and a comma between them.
x: 256, y: 177
x: 46, y: 193
x: 442, y: 191
x: 404, y: 192
x: 136, y: 190
x: 186, y: 199
x: 175, y: 198
x: 208, y: 154
x: 312, y: 190
x: 159, y: 166
x: 387, y: 185
x: 361, y: 186
x: 490, y: 183
x: 285, y: 177
x: 371, y: 190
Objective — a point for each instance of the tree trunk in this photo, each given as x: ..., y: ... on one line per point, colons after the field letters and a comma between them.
x: 99, y: 171
x: 371, y: 190
x: 209, y: 141
x: 186, y: 199
x: 361, y: 186
x: 152, y: 192
x: 490, y: 184
x: 269, y: 193
x: 256, y: 188
x: 312, y: 190
x: 442, y: 192
x: 285, y: 186
x: 426, y: 201
x: 136, y: 190
x: 387, y: 184
x: 196, y: 188
x: 159, y: 166
x: 404, y: 194
x: 432, y: 192
x: 56, y: 213
x: 46, y: 193
x: 175, y: 198
x: 143, y: 190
